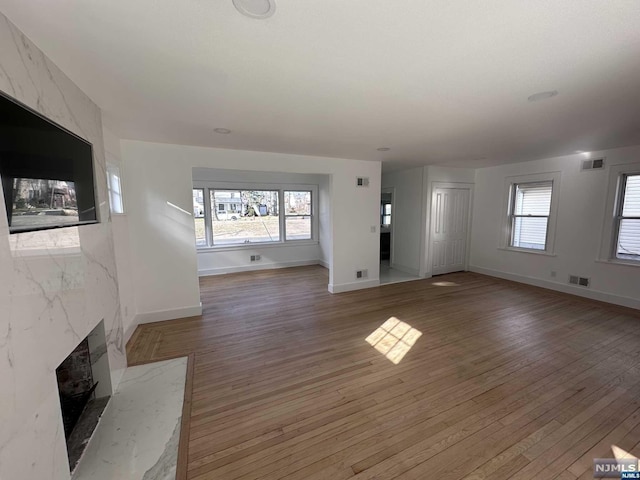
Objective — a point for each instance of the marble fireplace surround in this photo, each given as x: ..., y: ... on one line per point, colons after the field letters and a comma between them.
x: 57, y: 285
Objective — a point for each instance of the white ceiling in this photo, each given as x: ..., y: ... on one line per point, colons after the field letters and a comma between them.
x: 437, y: 81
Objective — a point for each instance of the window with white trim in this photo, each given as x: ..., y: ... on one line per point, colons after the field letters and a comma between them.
x: 627, y: 219
x: 248, y: 215
x: 114, y: 188
x: 530, y: 210
x: 297, y: 214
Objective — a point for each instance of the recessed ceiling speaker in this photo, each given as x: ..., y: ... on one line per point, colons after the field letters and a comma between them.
x: 255, y: 8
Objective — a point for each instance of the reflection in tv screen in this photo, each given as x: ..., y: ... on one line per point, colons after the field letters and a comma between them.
x: 40, y: 203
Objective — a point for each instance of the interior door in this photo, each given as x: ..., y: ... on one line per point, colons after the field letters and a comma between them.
x: 449, y: 225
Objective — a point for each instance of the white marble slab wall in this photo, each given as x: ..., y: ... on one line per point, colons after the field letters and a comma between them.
x: 55, y: 286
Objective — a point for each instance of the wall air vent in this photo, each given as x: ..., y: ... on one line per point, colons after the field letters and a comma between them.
x: 362, y: 182
x: 579, y: 281
x: 360, y: 274
x: 593, y: 164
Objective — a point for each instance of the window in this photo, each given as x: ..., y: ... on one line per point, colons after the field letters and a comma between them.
x: 385, y: 214
x: 198, y: 216
x: 257, y: 222
x: 530, y: 211
x: 627, y: 221
x: 239, y: 215
x: 297, y: 206
x: 531, y: 206
x: 114, y: 188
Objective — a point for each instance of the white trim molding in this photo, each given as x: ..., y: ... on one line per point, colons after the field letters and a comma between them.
x: 505, y: 226
x: 561, y: 287
x: 607, y: 241
x: 264, y: 266
x: 349, y: 287
x: 171, y: 314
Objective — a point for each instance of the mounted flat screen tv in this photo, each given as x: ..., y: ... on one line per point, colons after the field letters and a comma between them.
x: 46, y: 171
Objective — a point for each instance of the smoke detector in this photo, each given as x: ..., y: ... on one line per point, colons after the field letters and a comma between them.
x: 259, y: 9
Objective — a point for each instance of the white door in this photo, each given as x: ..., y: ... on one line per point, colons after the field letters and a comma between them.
x: 449, y: 224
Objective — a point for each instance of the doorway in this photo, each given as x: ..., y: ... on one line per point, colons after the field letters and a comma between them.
x: 449, y: 229
x: 388, y: 271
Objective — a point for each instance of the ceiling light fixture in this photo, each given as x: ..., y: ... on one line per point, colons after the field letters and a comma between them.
x: 536, y: 97
x: 383, y: 149
x: 259, y: 9
x: 223, y: 131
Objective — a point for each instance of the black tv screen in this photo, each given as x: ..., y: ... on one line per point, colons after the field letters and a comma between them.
x: 46, y: 171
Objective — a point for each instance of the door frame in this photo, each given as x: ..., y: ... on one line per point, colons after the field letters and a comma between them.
x: 392, y: 191
x: 428, y: 267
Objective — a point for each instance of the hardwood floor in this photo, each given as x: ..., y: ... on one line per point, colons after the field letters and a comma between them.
x: 506, y: 381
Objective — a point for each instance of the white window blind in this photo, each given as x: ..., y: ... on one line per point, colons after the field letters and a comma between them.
x: 628, y: 244
x: 531, y: 206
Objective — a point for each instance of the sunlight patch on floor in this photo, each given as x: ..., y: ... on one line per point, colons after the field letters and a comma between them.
x: 621, y: 454
x: 394, y: 339
x: 445, y: 284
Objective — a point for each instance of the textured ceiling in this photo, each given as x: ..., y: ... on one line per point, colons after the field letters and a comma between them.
x: 439, y: 82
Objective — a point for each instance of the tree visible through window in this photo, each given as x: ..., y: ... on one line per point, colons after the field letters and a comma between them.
x: 529, y: 215
x: 226, y: 217
x: 244, y: 216
x: 628, y: 219
x: 297, y: 206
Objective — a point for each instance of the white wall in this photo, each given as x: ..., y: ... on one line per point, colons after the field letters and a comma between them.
x: 407, y: 220
x: 236, y: 259
x: 324, y: 220
x: 581, y: 214
x: 464, y: 177
x: 163, y: 247
x: 121, y: 243
x: 57, y: 285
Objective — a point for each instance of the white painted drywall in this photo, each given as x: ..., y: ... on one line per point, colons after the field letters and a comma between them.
x: 159, y: 204
x: 121, y: 242
x: 407, y: 219
x: 324, y: 220
x: 581, y: 213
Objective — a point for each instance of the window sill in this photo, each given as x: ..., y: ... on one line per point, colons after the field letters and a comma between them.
x: 525, y: 250
x: 615, y: 261
x: 248, y: 246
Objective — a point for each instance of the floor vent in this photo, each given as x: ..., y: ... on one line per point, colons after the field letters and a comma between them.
x: 360, y: 274
x: 579, y: 281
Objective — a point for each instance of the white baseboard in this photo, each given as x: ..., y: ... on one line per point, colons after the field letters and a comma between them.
x: 561, y: 287
x: 348, y: 287
x: 408, y: 270
x: 162, y: 315
x: 323, y: 263
x: 130, y: 329
x: 259, y: 266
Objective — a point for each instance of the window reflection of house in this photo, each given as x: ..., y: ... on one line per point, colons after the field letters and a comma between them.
x: 35, y: 193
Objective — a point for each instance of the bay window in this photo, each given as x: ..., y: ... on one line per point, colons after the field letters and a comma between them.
x: 245, y: 215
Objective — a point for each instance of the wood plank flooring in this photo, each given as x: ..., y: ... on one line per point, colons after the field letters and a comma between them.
x: 506, y: 381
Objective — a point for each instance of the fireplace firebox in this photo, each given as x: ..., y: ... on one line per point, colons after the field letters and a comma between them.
x: 84, y: 386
